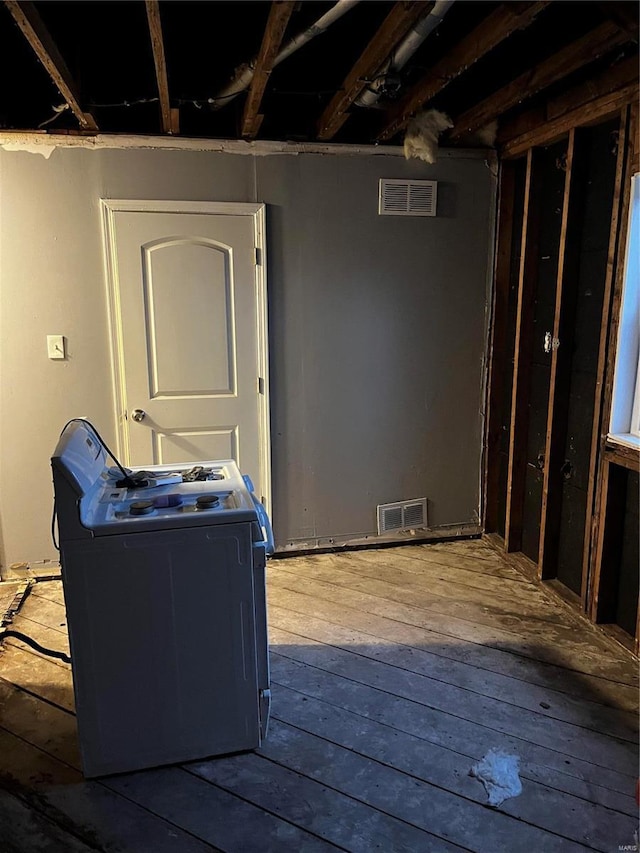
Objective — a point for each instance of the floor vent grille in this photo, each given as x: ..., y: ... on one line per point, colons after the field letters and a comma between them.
x: 402, y: 515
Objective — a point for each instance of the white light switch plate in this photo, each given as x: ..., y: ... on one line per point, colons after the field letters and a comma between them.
x: 55, y: 346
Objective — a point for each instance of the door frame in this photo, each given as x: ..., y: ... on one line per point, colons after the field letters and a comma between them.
x: 109, y: 208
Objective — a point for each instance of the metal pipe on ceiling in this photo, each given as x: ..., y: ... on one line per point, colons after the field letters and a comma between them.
x: 244, y: 73
x: 403, y: 53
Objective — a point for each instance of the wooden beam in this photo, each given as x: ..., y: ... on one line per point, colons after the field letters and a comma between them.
x: 572, y: 57
x: 590, y: 113
x: 395, y: 26
x: 498, y: 343
x: 615, y: 77
x: 624, y: 15
x: 611, y: 345
x: 523, y: 352
x: 494, y: 29
x: 602, y: 356
x: 169, y: 117
x: 27, y: 18
x: 277, y: 21
x: 634, y: 138
x: 561, y: 356
x: 625, y: 457
x: 610, y: 537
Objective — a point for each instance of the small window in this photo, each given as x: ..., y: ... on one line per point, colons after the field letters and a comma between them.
x: 625, y: 410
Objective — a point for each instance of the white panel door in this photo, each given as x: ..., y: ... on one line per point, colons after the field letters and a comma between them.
x: 189, y: 324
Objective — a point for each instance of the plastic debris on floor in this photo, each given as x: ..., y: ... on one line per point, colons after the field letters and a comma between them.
x: 499, y: 773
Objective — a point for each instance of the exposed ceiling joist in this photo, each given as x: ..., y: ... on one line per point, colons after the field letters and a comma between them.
x: 495, y: 28
x: 577, y: 54
x: 277, y: 21
x: 617, y: 77
x: 589, y: 113
x: 624, y: 15
x: 170, y: 117
x: 29, y: 21
x: 395, y: 26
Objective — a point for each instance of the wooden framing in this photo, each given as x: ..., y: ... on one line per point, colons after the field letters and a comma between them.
x: 623, y: 15
x: 605, y: 488
x: 29, y: 21
x: 592, y: 112
x: 625, y: 457
x: 395, y: 26
x: 614, y: 461
x: 559, y: 380
x: 572, y: 57
x: 612, y: 255
x: 279, y: 15
x: 634, y: 138
x: 522, y: 359
x: 170, y: 117
x: 610, y: 454
x: 619, y: 75
x: 493, y: 30
x: 497, y: 341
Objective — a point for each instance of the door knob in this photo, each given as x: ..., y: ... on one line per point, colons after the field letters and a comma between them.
x: 138, y: 415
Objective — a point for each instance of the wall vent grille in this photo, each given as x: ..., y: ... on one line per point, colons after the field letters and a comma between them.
x: 407, y: 198
x: 402, y: 515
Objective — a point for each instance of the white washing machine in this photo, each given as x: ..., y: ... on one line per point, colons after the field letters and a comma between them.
x: 164, y: 584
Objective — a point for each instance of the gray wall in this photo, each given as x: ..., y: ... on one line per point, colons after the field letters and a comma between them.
x: 378, y: 325
x: 377, y: 328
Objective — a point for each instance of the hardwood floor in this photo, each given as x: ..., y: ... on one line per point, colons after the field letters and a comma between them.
x: 393, y: 672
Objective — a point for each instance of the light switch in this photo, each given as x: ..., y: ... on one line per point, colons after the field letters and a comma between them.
x: 55, y: 346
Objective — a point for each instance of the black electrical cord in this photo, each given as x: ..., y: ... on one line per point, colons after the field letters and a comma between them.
x: 127, y: 479
x: 23, y: 637
x: 54, y: 517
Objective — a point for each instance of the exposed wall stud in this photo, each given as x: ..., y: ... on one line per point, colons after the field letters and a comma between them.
x: 522, y: 358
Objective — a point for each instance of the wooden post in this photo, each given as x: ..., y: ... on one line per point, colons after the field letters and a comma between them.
x: 523, y: 350
x: 561, y: 355
x: 497, y: 343
x: 610, y: 359
x: 612, y: 255
x: 610, y: 529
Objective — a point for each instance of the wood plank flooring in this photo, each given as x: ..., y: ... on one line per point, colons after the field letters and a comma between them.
x: 393, y: 671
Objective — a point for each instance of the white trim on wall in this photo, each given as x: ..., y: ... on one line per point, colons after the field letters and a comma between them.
x: 624, y: 426
x: 40, y: 142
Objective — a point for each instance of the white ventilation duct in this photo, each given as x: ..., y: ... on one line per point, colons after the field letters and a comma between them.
x: 403, y: 54
x: 244, y: 73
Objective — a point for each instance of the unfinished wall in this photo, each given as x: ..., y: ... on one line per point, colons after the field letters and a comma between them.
x: 377, y: 328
